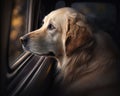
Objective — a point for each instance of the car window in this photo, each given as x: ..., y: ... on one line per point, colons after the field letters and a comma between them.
x: 17, y: 28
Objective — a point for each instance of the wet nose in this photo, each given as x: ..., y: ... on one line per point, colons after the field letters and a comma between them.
x: 24, y: 40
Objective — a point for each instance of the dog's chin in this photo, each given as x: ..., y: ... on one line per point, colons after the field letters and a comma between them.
x: 49, y: 54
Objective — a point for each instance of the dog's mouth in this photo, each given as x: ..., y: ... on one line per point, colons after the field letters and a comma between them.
x: 50, y: 53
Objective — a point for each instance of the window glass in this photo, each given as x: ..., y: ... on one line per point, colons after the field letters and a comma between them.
x: 17, y: 29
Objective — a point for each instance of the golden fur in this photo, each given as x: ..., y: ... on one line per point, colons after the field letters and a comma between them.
x: 88, y: 61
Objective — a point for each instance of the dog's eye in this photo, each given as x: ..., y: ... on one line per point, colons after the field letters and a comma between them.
x: 51, y: 27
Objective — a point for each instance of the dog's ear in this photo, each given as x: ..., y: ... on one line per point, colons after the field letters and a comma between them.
x: 77, y: 34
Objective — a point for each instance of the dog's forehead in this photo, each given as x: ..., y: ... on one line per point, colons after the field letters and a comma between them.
x: 52, y: 15
x: 59, y: 12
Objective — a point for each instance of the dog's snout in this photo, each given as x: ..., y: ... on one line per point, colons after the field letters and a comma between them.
x: 24, y: 39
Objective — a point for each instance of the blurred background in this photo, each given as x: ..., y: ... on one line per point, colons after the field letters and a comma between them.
x: 17, y: 29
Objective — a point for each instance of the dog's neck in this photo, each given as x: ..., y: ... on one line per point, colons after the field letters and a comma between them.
x: 62, y: 61
x: 78, y: 60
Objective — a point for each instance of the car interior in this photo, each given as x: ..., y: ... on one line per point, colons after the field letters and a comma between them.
x: 25, y: 74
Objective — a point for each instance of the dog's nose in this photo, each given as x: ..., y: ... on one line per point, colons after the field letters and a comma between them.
x: 24, y: 40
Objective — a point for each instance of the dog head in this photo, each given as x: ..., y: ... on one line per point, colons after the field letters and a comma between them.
x: 64, y: 30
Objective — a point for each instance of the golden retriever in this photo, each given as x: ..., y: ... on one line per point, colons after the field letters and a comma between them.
x: 88, y: 60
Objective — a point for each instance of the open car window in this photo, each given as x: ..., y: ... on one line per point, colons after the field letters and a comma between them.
x: 18, y: 27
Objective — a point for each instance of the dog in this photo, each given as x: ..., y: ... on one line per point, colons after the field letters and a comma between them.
x: 88, y: 59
